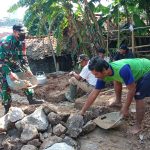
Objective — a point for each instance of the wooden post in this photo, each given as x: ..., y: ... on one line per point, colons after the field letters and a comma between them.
x: 118, y: 30
x: 108, y: 29
x: 133, y: 44
x: 50, y: 42
x: 51, y: 47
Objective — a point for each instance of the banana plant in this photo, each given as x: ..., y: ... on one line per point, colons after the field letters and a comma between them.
x: 84, y: 30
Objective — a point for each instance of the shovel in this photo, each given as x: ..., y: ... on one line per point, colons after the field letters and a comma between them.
x: 109, y: 120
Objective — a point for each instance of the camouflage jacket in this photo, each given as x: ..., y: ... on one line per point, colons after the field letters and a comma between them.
x: 12, y: 55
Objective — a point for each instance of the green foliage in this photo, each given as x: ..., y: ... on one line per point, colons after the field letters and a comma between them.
x: 104, y: 10
x: 57, y: 15
x: 14, y: 7
x: 32, y: 22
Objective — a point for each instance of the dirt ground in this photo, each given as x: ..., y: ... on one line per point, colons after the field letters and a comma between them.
x: 115, y: 139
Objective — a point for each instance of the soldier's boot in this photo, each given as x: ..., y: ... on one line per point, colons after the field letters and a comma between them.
x: 33, y: 101
x: 71, y: 93
x: 7, y: 106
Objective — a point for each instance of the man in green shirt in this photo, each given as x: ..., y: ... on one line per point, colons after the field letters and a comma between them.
x: 135, y: 73
x: 13, y: 59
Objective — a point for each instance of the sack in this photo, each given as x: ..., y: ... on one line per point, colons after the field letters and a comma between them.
x: 23, y: 82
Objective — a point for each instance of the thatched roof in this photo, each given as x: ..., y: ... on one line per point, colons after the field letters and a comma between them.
x: 39, y: 47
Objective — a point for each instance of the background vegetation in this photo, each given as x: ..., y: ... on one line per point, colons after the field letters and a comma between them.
x: 80, y: 25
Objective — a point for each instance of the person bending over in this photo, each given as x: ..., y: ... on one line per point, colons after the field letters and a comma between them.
x: 135, y: 73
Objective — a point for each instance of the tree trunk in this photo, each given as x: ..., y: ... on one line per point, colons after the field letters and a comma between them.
x: 51, y: 47
x: 99, y: 31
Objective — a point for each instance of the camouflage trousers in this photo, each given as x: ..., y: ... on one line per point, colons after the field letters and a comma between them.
x: 5, y: 91
x: 81, y: 84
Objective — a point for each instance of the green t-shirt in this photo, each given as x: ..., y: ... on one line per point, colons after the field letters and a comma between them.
x: 139, y: 67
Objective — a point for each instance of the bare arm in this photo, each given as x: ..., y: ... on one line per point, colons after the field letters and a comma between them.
x: 130, y: 95
x: 90, y: 100
x: 77, y: 76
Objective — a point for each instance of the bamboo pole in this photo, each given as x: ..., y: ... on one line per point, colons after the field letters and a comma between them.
x: 142, y: 46
x: 50, y: 42
x: 133, y: 45
x: 51, y: 47
x: 143, y: 51
x: 108, y: 28
x: 129, y: 37
x: 128, y: 29
x: 142, y: 36
x: 118, y: 29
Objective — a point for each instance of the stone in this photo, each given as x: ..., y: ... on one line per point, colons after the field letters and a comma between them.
x: 29, y: 132
x: 60, y: 146
x: 37, y: 119
x: 7, y: 145
x: 45, y: 135
x: 90, y: 126
x: 29, y: 147
x: 15, y: 114
x: 29, y: 109
x: 19, y: 99
x: 49, y: 129
x: 68, y: 140
x: 14, y: 133
x: 12, y: 143
x: 50, y: 141
x: 3, y: 136
x: 59, y: 130
x: 54, y: 118
x: 89, y: 115
x: 94, y: 113
x: 64, y: 116
x: 49, y: 107
x: 74, y: 125
x: 35, y: 142
x: 4, y: 123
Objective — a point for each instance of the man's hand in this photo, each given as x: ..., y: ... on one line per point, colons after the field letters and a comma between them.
x: 131, y: 92
x: 28, y: 83
x: 13, y: 76
x: 29, y: 74
x: 124, y: 111
x: 71, y: 73
x: 81, y: 113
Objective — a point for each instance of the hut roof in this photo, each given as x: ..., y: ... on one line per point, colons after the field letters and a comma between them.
x: 39, y: 47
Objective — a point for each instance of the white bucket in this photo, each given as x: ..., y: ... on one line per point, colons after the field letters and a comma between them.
x: 41, y: 77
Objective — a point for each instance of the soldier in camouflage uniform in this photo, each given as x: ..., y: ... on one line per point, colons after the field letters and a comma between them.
x: 13, y: 59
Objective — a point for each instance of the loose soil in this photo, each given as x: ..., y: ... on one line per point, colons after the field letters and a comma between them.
x: 114, y: 139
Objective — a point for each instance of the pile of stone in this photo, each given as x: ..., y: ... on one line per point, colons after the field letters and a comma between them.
x: 44, y: 129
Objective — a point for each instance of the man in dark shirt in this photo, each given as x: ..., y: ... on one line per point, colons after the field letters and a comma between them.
x: 101, y: 54
x: 123, y: 53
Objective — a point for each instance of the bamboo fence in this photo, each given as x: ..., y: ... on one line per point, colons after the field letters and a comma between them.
x: 133, y: 47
